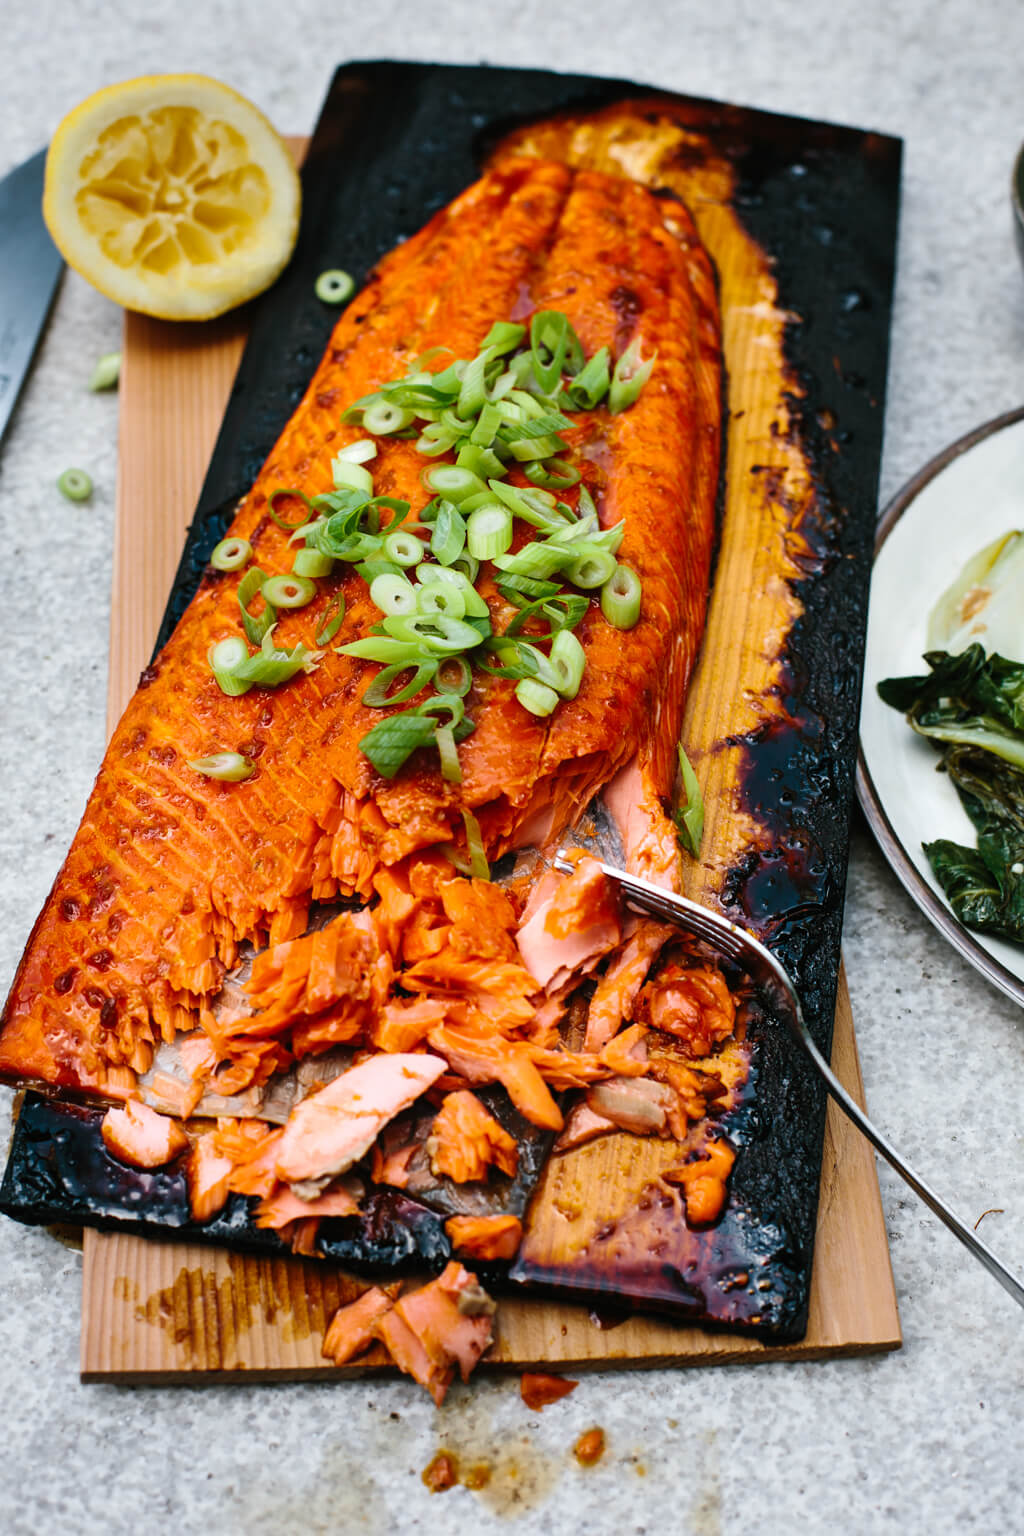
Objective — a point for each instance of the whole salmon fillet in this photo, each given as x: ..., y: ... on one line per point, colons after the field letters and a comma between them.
x: 170, y: 872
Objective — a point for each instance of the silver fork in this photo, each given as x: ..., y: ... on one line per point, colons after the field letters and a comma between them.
x: 774, y: 983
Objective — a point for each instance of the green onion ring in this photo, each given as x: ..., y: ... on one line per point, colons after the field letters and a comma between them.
x: 621, y: 597
x: 393, y: 594
x: 377, y: 695
x: 106, y: 372
x: 461, y: 682
x: 230, y: 554
x: 333, y: 617
x: 537, y: 697
x: 310, y: 562
x: 231, y: 767
x: 290, y: 527
x: 334, y: 286
x: 75, y: 484
x: 451, y: 768
x: 288, y: 591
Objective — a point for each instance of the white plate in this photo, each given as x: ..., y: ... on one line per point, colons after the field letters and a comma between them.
x: 964, y: 498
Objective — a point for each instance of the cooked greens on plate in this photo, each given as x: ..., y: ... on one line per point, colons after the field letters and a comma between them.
x: 970, y: 705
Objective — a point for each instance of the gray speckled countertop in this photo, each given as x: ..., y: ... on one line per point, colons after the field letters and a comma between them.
x: 925, y: 1440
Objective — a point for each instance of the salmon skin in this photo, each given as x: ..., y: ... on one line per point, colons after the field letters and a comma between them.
x: 170, y: 874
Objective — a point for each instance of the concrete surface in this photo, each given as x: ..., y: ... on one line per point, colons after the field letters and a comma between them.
x: 928, y: 1440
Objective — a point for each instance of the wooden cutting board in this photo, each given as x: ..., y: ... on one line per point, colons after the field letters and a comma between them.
x: 157, y: 1311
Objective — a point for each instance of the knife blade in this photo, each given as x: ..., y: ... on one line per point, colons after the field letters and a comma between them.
x: 30, y: 267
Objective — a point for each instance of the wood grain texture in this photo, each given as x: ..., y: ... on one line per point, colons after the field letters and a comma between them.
x: 160, y: 1311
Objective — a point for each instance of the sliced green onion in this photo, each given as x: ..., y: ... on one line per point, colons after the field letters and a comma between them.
x: 455, y: 675
x: 592, y: 569
x: 444, y: 703
x: 377, y: 695
x: 540, y: 561
x: 75, y: 484
x: 487, y: 424
x: 537, y: 697
x: 272, y: 666
x: 404, y: 549
x: 310, y: 562
x: 360, y: 452
x: 516, y: 589
x: 569, y: 660
x: 480, y: 461
x: 503, y: 336
x: 689, y: 817
x: 349, y: 476
x: 249, y: 587
x: 451, y: 768
x: 629, y: 377
x: 553, y: 474
x: 290, y: 527
x: 224, y: 658
x: 229, y: 766
x: 590, y: 385
x: 450, y: 481
x: 433, y: 632
x: 620, y: 598
x: 564, y: 611
x: 289, y: 591
x: 441, y: 597
x: 230, y: 554
x: 393, y: 594
x: 388, y: 650
x: 489, y: 531
x: 535, y: 507
x: 469, y: 566
x: 478, y: 865
x: 473, y: 392
x: 334, y: 286
x: 369, y: 570
x: 516, y: 659
x: 106, y: 372
x: 524, y: 449
x: 332, y: 619
x: 449, y: 536
x: 551, y: 332
x: 395, y: 739
x: 383, y: 418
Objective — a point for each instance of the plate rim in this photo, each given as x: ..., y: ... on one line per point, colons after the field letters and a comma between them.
x: 893, y: 850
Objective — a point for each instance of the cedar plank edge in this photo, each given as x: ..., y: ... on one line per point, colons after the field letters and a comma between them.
x: 157, y: 1312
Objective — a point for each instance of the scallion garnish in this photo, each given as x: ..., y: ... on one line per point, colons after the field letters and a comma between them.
x: 449, y: 536
x: 537, y: 697
x: 334, y: 286
x: 333, y: 616
x: 390, y: 743
x: 393, y: 594
x: 689, y: 815
x: 310, y: 562
x: 288, y: 591
x: 250, y: 585
x: 290, y: 527
x: 478, y: 865
x: 378, y: 695
x: 107, y: 372
x: 441, y: 597
x: 620, y: 598
x: 75, y: 484
x: 489, y: 531
x: 629, y: 377
x: 404, y: 549
x: 230, y: 554
x: 224, y: 658
x: 232, y: 767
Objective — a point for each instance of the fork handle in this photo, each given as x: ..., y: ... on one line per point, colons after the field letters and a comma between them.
x: 970, y: 1240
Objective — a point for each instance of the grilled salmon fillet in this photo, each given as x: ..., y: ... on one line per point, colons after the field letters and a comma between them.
x: 171, y: 873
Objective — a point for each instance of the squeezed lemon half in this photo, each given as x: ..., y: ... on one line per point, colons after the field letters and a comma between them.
x: 172, y: 195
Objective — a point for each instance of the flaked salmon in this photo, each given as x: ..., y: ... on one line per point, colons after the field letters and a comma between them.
x: 138, y: 1135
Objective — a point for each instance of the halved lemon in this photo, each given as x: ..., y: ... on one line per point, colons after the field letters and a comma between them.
x: 173, y: 195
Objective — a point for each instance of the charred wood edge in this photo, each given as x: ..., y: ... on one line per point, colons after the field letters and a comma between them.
x: 386, y: 194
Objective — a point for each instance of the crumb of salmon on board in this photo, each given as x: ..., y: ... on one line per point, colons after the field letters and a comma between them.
x: 429, y: 1333
x: 485, y: 1237
x: 140, y: 1136
x: 589, y: 1448
x: 539, y: 1390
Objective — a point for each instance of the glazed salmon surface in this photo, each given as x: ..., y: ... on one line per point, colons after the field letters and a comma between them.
x: 169, y: 871
x: 313, y: 908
